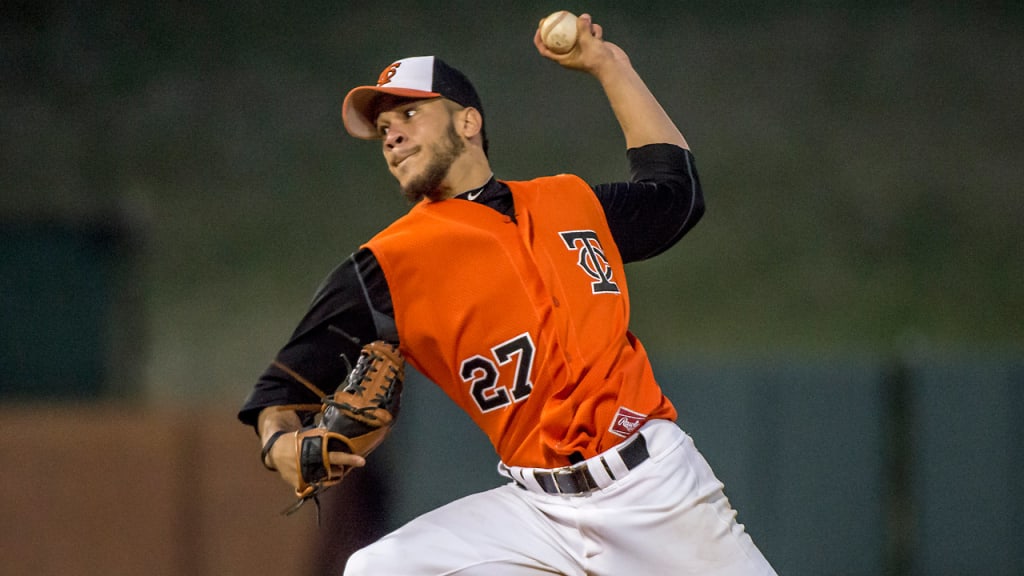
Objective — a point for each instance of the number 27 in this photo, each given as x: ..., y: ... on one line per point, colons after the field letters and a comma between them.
x: 482, y: 373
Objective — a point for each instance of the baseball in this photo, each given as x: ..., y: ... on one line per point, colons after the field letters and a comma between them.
x: 558, y: 31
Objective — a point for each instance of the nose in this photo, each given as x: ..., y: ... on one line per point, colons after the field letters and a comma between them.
x: 393, y: 138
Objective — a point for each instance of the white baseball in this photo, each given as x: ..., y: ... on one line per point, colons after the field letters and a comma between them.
x: 558, y: 31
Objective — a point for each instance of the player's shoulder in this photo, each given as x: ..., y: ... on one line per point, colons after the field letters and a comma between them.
x: 561, y: 177
x: 561, y: 181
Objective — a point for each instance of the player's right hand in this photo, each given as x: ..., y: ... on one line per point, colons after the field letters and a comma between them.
x: 591, y: 53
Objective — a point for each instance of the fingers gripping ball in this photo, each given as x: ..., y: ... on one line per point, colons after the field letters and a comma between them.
x: 355, y: 419
x: 558, y: 31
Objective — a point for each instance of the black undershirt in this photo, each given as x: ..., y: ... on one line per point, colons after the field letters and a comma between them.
x: 646, y: 216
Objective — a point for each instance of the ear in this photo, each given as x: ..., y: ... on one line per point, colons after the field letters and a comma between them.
x: 470, y: 122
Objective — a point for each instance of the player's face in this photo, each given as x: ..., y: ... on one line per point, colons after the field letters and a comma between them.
x: 420, y: 145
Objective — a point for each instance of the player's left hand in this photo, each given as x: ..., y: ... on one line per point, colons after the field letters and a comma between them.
x: 353, y: 422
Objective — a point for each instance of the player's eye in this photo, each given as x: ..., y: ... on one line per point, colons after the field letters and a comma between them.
x: 410, y: 112
x: 382, y: 131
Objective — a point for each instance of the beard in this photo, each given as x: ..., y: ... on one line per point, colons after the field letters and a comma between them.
x: 430, y: 183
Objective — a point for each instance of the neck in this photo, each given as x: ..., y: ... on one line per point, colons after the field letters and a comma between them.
x: 469, y: 172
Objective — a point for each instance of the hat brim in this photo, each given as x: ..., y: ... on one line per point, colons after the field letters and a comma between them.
x: 356, y: 109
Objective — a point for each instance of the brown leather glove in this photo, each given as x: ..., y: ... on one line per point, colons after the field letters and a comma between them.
x: 355, y: 419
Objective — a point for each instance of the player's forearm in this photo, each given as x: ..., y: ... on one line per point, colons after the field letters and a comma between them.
x: 641, y: 116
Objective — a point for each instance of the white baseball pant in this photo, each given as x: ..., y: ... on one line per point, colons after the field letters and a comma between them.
x: 667, y: 516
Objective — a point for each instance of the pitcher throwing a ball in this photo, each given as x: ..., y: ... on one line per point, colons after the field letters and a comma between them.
x: 511, y: 296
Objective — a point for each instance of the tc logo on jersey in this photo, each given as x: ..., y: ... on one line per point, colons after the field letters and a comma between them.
x: 592, y: 259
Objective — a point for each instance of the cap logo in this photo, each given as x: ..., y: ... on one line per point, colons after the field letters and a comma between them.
x: 388, y: 74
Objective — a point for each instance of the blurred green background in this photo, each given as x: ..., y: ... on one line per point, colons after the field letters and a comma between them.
x: 861, y: 160
x: 861, y: 164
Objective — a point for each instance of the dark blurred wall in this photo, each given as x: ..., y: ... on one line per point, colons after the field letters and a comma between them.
x: 70, y: 309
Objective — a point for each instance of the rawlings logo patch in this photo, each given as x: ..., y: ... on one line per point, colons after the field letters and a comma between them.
x: 626, y: 422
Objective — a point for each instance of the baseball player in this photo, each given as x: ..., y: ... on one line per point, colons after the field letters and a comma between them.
x: 512, y: 297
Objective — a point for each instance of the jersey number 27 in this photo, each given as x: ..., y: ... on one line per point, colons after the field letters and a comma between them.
x: 482, y: 374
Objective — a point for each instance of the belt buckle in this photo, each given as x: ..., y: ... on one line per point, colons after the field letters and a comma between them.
x: 576, y: 481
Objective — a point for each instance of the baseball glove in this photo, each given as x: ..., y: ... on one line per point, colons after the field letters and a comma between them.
x: 355, y: 419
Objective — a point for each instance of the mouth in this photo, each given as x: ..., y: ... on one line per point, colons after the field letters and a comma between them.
x: 399, y: 159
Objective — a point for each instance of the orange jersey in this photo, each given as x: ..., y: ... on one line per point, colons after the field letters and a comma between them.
x: 523, y: 324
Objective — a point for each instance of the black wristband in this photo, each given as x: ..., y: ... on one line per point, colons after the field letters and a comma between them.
x: 268, y: 446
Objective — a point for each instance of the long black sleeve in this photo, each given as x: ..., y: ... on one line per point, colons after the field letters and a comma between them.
x: 661, y: 202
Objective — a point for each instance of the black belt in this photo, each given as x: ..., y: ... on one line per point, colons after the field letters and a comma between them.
x: 578, y: 479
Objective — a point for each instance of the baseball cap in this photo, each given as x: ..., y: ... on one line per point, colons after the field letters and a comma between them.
x: 416, y: 77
